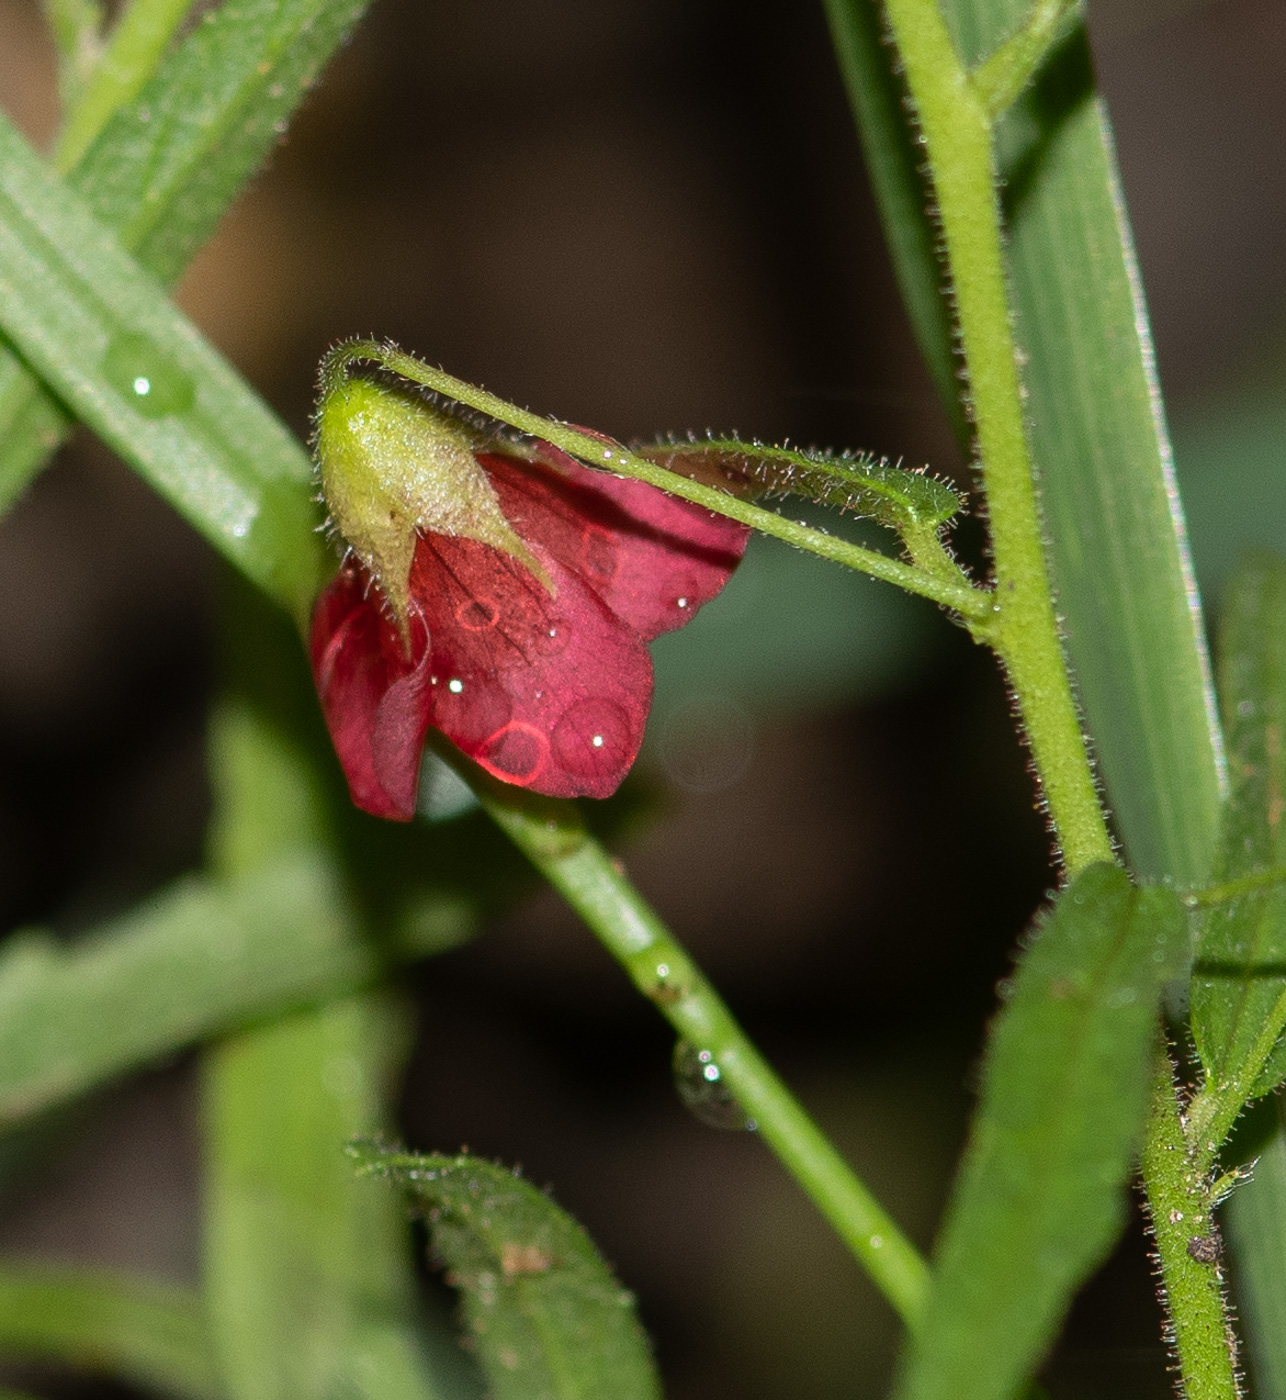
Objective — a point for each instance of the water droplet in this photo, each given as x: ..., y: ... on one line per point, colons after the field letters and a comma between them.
x: 455, y: 686
x: 594, y: 735
x: 681, y: 603
x: 702, y: 1091
x: 515, y: 752
x: 147, y: 378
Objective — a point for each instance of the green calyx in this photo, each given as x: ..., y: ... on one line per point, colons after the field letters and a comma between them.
x: 391, y: 465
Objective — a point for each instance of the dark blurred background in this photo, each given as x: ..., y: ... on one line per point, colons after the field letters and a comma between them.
x: 649, y: 215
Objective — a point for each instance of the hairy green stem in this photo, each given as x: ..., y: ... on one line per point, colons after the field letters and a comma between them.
x: 1180, y: 1201
x: 551, y: 835
x: 939, y: 579
x: 957, y: 130
x: 126, y: 62
x: 956, y: 112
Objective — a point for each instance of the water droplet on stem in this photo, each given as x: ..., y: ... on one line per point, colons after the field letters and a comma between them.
x: 703, y: 1093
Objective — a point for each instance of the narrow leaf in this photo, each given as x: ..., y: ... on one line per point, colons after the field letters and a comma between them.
x: 309, y: 1277
x: 1256, y: 1221
x: 309, y: 1280
x: 105, y: 337
x: 1041, y: 1194
x: 894, y: 164
x: 202, y: 958
x: 855, y: 483
x: 1117, y: 537
x: 165, y: 168
x: 134, y: 1329
x: 1239, y: 982
x: 548, y: 1319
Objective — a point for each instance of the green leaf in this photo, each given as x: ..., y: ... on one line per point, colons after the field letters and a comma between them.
x: 1256, y: 1222
x: 1118, y: 548
x: 105, y: 337
x: 548, y: 1319
x: 1041, y: 1193
x: 167, y: 166
x: 309, y: 1280
x: 203, y: 957
x: 1239, y: 982
x: 135, y: 1329
x: 855, y: 483
x: 893, y: 163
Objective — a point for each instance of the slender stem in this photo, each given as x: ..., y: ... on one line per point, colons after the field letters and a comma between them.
x: 128, y: 60
x: 77, y: 30
x: 1001, y: 77
x: 551, y: 835
x: 956, y: 127
x: 1233, y: 889
x: 949, y: 587
x: 1179, y: 1201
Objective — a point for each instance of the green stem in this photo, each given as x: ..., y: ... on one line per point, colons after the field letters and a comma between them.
x: 1233, y: 889
x: 137, y: 43
x: 957, y: 131
x: 947, y: 586
x: 1001, y: 77
x: 77, y: 28
x: 1179, y: 1201
x: 551, y: 835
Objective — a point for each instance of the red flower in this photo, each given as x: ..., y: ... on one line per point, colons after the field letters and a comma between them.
x: 545, y: 689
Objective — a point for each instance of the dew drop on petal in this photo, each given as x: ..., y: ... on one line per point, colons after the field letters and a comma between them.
x: 590, y: 736
x: 516, y: 752
x: 703, y: 1093
x: 146, y: 377
x: 477, y: 616
x: 455, y: 686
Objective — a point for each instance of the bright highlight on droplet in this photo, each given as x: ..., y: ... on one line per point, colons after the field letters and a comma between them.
x: 455, y: 686
x: 147, y: 377
x: 597, y: 741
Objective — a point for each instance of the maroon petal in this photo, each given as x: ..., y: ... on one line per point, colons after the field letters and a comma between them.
x: 653, y: 558
x: 375, y: 698
x: 547, y: 692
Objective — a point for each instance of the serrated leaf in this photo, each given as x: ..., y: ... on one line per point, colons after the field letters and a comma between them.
x: 166, y: 167
x: 1041, y: 1193
x: 548, y: 1319
x: 1239, y: 981
x: 131, y: 1328
x: 855, y: 483
x: 104, y: 336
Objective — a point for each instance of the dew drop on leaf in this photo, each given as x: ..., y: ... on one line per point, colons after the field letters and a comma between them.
x: 702, y: 1091
x: 147, y: 378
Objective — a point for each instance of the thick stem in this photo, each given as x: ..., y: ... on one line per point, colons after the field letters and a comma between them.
x: 551, y: 835
x: 1179, y: 1201
x: 956, y: 126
